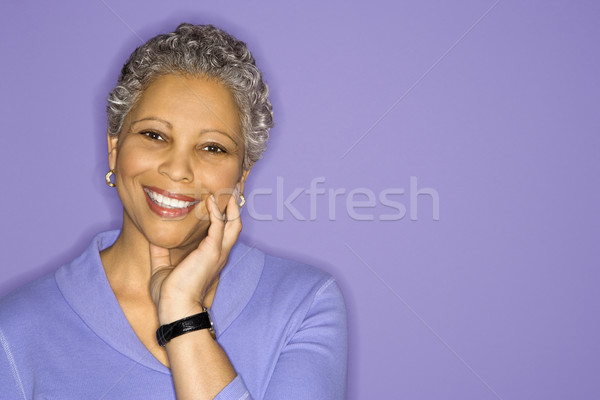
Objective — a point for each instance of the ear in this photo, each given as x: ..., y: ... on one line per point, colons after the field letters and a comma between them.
x: 112, y: 150
x: 243, y: 179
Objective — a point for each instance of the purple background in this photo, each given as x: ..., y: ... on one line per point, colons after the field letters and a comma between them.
x: 500, y: 115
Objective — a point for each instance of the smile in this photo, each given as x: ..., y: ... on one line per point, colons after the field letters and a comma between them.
x: 167, y: 204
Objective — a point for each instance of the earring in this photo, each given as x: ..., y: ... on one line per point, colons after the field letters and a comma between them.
x: 108, y: 175
x: 242, y: 200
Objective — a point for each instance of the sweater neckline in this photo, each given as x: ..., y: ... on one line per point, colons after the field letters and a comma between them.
x: 85, y: 287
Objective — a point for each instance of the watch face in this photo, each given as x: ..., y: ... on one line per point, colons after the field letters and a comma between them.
x: 212, y: 325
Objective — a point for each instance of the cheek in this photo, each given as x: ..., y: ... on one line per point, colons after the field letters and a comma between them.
x: 131, y: 162
x: 220, y: 181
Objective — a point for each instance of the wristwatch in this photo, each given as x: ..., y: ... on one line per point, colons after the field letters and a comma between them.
x: 185, y: 325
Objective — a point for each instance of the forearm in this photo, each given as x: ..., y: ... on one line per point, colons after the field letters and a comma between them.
x: 200, y: 367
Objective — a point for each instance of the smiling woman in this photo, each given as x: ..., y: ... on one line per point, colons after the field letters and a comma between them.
x: 181, y: 143
x: 172, y: 305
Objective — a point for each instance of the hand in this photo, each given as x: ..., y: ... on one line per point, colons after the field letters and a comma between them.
x: 179, y: 291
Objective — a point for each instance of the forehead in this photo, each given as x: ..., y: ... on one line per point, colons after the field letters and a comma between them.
x: 189, y: 102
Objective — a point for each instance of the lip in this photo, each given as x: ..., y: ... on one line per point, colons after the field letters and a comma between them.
x: 176, y: 196
x: 169, y: 212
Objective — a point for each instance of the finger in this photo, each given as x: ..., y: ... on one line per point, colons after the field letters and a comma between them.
x: 234, y: 223
x: 233, y: 209
x: 159, y: 257
x: 217, y: 225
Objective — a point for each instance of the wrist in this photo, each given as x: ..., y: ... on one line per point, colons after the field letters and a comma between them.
x: 189, y: 324
x: 170, y: 311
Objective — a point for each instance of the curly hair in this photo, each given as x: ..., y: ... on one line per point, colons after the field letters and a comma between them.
x: 198, y: 50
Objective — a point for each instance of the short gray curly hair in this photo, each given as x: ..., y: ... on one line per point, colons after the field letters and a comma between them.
x: 201, y: 50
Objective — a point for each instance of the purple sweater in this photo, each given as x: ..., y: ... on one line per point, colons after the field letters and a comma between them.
x: 282, y: 324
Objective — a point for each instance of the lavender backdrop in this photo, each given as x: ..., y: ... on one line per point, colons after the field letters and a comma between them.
x: 489, y: 108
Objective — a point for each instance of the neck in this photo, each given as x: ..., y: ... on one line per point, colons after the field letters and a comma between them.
x: 127, y: 262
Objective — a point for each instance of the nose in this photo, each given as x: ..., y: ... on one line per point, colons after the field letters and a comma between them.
x: 177, y: 165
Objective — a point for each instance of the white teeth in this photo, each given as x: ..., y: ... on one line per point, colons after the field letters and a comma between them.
x: 168, y: 202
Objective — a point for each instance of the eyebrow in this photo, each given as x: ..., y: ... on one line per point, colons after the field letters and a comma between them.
x: 203, y: 131
x: 153, y: 119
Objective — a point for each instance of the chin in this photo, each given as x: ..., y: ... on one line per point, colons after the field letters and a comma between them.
x: 177, y: 239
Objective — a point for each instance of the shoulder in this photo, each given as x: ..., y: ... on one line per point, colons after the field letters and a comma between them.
x: 249, y: 266
x: 46, y: 294
x: 293, y: 274
x: 287, y: 296
x: 29, y: 316
x: 279, y: 282
x: 34, y: 298
x: 44, y: 302
x: 299, y: 286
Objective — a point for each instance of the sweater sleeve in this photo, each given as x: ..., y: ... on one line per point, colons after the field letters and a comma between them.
x: 236, y: 390
x: 10, y: 381
x: 313, y: 363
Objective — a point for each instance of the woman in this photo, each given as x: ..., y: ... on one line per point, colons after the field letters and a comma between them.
x: 187, y: 120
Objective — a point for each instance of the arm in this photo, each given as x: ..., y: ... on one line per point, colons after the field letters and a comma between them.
x: 313, y: 363
x: 199, y: 365
x: 10, y: 380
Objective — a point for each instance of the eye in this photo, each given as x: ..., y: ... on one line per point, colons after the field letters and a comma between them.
x: 152, y: 135
x: 214, y: 148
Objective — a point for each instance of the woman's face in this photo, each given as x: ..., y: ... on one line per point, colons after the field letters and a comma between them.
x: 181, y: 143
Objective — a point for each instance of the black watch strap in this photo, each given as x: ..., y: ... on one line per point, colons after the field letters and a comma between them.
x: 188, y: 324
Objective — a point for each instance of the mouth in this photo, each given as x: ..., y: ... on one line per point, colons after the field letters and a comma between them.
x: 169, y: 205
